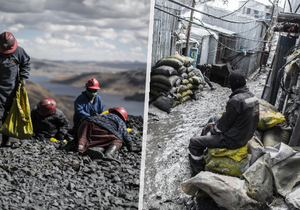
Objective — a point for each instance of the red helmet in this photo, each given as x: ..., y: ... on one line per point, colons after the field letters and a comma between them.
x: 8, y: 43
x: 121, y: 111
x: 46, y: 107
x: 92, y: 84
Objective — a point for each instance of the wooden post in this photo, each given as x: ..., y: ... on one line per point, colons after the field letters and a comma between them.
x: 287, y: 17
x: 189, y: 30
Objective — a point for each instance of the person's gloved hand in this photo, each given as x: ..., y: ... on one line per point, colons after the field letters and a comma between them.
x: 130, y: 148
x: 213, y: 131
x: 22, y: 81
x: 94, y: 114
x: 60, y: 137
x: 207, y: 129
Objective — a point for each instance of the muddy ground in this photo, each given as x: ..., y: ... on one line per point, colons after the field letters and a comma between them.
x: 166, y: 164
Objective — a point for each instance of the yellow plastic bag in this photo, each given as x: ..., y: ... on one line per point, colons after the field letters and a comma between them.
x: 226, y: 161
x: 18, y: 123
x: 235, y: 154
x: 268, y: 118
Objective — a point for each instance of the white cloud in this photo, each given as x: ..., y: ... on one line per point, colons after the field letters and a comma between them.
x: 136, y: 49
x: 15, y: 27
x: 78, y: 25
x: 60, y: 43
x: 104, y: 45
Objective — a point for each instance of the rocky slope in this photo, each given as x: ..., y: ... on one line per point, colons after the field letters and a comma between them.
x: 45, y: 175
x: 123, y: 83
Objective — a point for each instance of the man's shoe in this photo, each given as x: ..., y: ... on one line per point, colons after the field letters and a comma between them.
x: 5, y: 141
x: 212, y: 88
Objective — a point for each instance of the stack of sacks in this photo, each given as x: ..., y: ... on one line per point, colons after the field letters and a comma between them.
x: 175, y: 77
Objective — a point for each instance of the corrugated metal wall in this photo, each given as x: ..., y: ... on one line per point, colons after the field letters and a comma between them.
x: 163, y: 27
x: 251, y: 31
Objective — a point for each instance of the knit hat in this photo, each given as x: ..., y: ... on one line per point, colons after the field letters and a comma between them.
x: 237, y: 79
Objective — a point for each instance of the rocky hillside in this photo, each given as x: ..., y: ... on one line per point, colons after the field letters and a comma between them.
x: 83, y: 66
x: 124, y: 83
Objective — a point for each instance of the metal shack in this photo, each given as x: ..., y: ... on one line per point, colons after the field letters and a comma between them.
x: 228, y: 40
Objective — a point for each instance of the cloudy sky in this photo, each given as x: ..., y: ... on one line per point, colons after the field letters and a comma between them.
x: 85, y: 30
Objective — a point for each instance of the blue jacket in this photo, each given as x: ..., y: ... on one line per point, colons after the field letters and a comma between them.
x: 114, y: 124
x: 9, y: 76
x: 83, y: 108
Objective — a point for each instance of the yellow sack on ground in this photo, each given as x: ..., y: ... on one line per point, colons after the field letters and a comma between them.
x: 226, y: 161
x: 268, y: 118
x: 235, y: 154
x: 18, y: 122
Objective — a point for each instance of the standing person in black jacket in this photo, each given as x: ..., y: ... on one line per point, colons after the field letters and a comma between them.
x: 234, y: 129
x: 101, y: 136
x: 48, y: 121
x: 14, y: 68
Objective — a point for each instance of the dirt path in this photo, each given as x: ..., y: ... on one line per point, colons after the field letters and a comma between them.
x: 167, y: 144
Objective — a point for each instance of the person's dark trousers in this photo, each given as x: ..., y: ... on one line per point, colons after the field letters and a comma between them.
x: 196, y: 148
x: 5, y: 139
x: 207, y: 81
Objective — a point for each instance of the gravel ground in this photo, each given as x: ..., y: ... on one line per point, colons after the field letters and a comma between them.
x: 44, y: 175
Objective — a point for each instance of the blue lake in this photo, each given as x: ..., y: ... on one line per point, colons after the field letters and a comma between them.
x: 109, y: 100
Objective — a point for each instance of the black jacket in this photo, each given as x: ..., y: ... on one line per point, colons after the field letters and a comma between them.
x: 18, y: 62
x: 238, y: 123
x: 49, y: 126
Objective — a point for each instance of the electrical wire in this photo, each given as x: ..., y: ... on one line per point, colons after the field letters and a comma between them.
x: 234, y: 50
x: 297, y: 9
x: 291, y: 11
x: 236, y: 35
x: 235, y: 10
x: 212, y: 16
x: 202, y: 25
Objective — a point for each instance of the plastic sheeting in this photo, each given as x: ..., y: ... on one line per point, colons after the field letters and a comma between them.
x: 229, y: 192
x: 271, y: 167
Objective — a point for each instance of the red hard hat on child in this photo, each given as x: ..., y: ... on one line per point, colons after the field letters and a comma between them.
x: 92, y: 84
x: 46, y: 107
x: 121, y: 111
x: 8, y: 43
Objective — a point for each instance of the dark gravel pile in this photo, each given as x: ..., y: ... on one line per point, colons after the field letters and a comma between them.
x: 44, y: 175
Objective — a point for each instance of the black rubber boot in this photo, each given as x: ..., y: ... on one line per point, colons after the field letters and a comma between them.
x: 110, y: 152
x: 196, y: 165
x: 95, y: 152
x: 5, y: 141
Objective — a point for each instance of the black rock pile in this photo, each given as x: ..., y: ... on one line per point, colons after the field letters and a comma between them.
x: 44, y: 175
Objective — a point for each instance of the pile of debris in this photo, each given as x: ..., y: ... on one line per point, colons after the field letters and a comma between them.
x: 175, y: 80
x: 268, y: 178
x: 44, y: 175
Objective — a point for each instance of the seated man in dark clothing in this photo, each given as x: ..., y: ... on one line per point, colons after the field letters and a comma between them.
x: 101, y: 136
x: 234, y: 129
x: 48, y: 121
